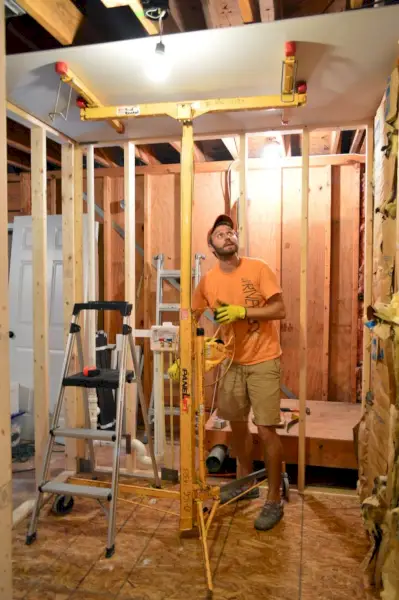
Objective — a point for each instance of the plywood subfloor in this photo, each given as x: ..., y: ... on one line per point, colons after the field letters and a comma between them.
x: 329, y: 434
x: 315, y: 552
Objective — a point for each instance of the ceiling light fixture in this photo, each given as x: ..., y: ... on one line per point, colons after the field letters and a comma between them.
x: 272, y: 154
x: 158, y: 65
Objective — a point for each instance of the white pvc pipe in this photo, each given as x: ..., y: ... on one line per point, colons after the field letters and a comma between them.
x: 141, y: 453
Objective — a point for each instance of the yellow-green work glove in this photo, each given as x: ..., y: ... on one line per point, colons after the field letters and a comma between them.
x: 228, y: 313
x: 174, y: 371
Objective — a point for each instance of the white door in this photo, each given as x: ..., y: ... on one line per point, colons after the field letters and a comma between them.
x: 21, y: 309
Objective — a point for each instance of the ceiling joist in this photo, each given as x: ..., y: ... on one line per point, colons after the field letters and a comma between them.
x: 152, y: 27
x: 335, y: 143
x: 61, y: 18
x: 357, y: 141
x: 232, y: 145
x: 249, y: 11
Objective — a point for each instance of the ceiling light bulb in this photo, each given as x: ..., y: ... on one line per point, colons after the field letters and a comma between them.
x: 272, y: 154
x: 158, y: 66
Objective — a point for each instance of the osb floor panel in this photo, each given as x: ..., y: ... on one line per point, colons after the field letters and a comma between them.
x: 315, y: 552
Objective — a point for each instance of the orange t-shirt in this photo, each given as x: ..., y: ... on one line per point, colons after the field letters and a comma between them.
x: 251, y: 284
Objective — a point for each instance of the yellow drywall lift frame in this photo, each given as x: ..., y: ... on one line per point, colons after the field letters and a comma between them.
x: 193, y: 487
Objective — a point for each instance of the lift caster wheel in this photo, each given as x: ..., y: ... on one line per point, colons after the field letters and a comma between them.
x: 286, y: 487
x: 62, y: 505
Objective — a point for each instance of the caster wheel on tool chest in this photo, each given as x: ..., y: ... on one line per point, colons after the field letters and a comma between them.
x: 62, y: 505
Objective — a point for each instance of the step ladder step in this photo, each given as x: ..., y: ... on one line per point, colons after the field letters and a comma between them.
x: 170, y: 274
x: 108, y: 378
x: 169, y: 307
x: 86, y: 434
x: 69, y: 489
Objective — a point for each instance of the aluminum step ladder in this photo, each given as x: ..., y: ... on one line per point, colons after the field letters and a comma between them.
x: 106, y: 379
x: 157, y: 409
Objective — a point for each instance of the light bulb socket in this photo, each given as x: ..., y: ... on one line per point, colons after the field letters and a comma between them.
x: 160, y: 48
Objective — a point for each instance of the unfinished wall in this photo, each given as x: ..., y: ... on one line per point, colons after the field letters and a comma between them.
x: 274, y: 235
x: 379, y: 429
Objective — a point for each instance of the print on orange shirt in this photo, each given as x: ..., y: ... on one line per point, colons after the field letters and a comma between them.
x: 251, y: 284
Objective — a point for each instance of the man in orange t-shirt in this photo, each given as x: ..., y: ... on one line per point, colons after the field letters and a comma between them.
x: 244, y: 293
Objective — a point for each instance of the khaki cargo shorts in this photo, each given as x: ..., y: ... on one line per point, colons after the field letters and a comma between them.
x: 251, y: 386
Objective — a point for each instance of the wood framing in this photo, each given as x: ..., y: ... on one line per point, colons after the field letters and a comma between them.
x: 397, y: 233
x: 242, y: 204
x: 78, y: 258
x: 40, y: 303
x: 223, y: 165
x: 327, y: 292
x: 5, y: 433
x: 368, y: 259
x: 303, y: 342
x: 108, y: 292
x: 68, y: 262
x: 148, y: 296
x: 26, y: 197
x: 357, y: 141
x: 249, y: 11
x: 130, y: 283
x: 61, y: 18
x: 231, y: 144
x: 91, y: 315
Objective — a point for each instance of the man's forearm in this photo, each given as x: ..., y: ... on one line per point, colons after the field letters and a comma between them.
x: 270, y: 312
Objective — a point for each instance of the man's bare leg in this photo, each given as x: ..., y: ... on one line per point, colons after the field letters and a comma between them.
x: 273, y: 457
x: 241, y: 443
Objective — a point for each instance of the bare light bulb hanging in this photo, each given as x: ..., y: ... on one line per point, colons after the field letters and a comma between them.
x: 159, y: 65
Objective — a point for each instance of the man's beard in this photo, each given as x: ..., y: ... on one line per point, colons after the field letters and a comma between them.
x: 227, y: 252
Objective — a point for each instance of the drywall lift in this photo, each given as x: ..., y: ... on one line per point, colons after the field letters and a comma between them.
x: 194, y: 490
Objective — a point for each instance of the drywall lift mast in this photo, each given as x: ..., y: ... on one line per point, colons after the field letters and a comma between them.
x: 193, y: 492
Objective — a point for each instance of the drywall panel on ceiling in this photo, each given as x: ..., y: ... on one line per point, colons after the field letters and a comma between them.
x: 343, y: 57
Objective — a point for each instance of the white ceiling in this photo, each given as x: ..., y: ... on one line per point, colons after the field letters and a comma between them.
x: 344, y: 57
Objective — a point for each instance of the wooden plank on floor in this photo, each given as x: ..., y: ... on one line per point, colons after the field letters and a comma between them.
x: 40, y: 302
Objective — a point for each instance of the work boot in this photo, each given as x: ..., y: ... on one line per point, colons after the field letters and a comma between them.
x: 226, y: 495
x: 270, y: 515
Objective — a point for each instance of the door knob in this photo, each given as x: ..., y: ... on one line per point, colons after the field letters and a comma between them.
x: 11, y: 334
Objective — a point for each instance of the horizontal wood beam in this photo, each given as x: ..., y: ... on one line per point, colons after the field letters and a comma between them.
x: 220, y: 166
x: 249, y: 10
x: 152, y: 28
x: 18, y: 159
x: 31, y: 120
x: 60, y: 18
x: 18, y: 137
